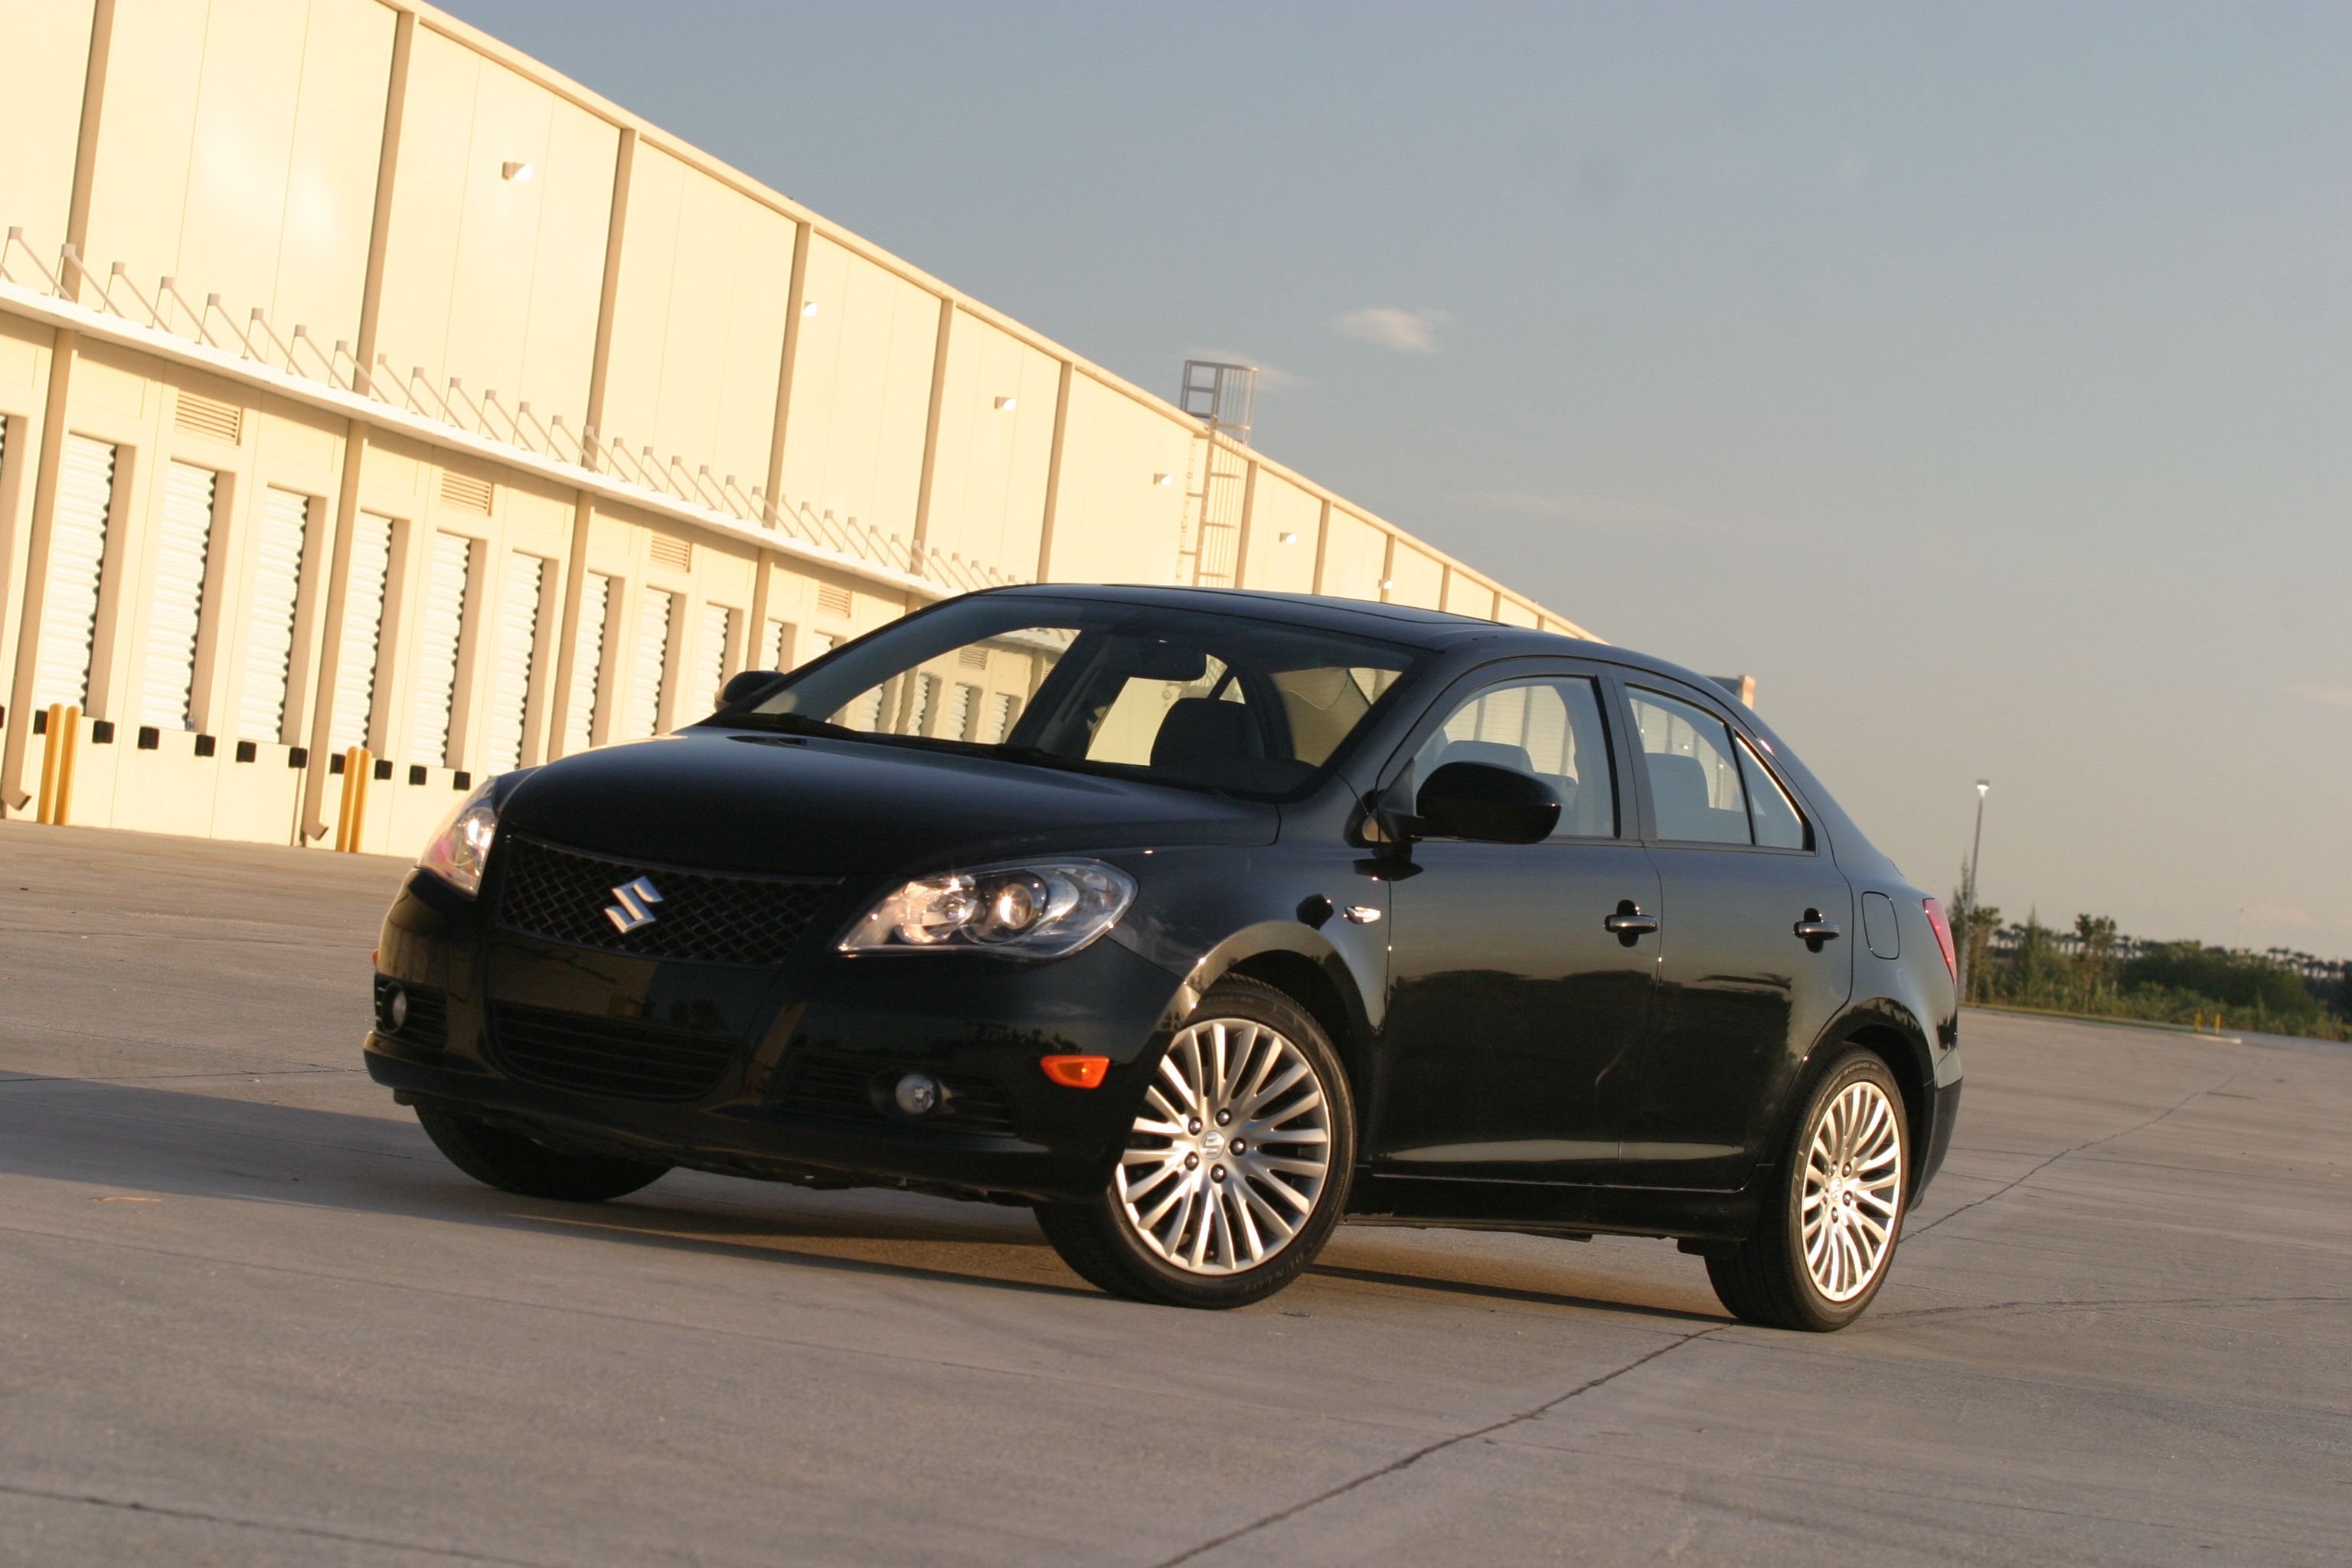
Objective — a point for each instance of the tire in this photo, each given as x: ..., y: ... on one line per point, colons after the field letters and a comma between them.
x: 1783, y: 1277
x: 513, y: 1163
x: 1145, y: 1239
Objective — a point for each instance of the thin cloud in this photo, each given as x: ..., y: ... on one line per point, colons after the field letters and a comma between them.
x: 2333, y: 696
x: 1392, y: 327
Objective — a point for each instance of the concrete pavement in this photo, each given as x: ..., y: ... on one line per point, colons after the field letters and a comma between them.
x: 248, y: 1316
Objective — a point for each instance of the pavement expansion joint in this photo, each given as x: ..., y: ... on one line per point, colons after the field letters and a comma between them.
x: 1409, y: 1460
x: 274, y: 1527
x: 2010, y: 1187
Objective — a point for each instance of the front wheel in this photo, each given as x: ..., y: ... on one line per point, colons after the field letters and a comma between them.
x: 512, y: 1163
x: 1235, y: 1170
x: 1827, y: 1238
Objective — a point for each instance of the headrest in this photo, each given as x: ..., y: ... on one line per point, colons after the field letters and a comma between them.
x: 1204, y: 731
x: 1494, y: 753
x: 1678, y: 787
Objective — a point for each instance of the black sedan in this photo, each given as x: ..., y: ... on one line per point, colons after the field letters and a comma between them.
x: 1198, y: 921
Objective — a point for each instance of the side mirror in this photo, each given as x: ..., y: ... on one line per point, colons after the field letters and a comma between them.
x: 745, y: 685
x: 1491, y: 805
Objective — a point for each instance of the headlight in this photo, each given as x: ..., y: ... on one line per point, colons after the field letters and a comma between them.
x: 1044, y: 911
x: 461, y: 848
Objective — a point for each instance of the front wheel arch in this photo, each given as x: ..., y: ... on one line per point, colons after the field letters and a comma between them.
x: 1298, y: 961
x: 1107, y: 1243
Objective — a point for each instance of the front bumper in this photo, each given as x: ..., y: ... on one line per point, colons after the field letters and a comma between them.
x: 787, y: 1049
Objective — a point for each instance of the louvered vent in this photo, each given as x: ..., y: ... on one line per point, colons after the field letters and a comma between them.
x: 974, y: 657
x: 832, y: 599
x: 202, y: 415
x: 675, y: 554
x: 463, y: 492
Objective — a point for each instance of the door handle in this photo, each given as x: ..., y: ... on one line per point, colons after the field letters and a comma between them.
x: 1629, y: 924
x: 1813, y: 930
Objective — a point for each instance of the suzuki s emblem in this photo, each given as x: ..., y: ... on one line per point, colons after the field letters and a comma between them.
x: 629, y: 909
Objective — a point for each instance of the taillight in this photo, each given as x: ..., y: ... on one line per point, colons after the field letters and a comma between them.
x: 1943, y: 936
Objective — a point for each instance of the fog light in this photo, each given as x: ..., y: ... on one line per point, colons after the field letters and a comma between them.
x: 395, y: 1009
x: 917, y: 1094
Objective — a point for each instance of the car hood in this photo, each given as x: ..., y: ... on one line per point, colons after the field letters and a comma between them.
x: 811, y: 806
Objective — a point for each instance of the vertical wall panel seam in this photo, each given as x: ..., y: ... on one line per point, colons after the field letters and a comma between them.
x: 223, y: 546
x: 575, y: 557
x: 567, y: 654
x: 36, y: 570
x: 1054, y: 458
x: 12, y: 486
x: 1249, y: 509
x: 600, y: 365
x: 46, y: 454
x: 94, y: 104
x: 924, y: 479
x: 788, y: 361
x: 387, y: 168
x: 337, y: 582
x: 286, y: 201
x: 188, y: 169
x: 1322, y: 545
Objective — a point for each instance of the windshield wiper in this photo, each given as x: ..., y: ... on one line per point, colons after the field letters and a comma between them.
x: 794, y: 725
x: 1037, y: 756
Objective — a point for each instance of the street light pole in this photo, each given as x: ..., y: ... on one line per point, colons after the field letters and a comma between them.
x: 1976, y: 848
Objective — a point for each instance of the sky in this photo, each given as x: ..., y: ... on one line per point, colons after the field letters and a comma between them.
x: 1978, y: 378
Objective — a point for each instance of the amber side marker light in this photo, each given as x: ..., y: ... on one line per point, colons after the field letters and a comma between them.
x: 1076, y: 1072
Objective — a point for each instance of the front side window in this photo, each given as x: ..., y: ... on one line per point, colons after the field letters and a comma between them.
x: 1695, y: 789
x: 1180, y: 697
x: 1549, y: 729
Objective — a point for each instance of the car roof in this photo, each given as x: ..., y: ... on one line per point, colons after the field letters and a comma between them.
x: 1408, y: 623
x: 1398, y: 623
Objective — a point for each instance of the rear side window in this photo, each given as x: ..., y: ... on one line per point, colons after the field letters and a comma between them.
x: 1778, y: 824
x: 1696, y: 793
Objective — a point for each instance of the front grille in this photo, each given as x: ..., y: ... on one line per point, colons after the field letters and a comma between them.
x: 610, y: 1057
x: 711, y: 917
x: 843, y: 1088
x: 427, y: 1021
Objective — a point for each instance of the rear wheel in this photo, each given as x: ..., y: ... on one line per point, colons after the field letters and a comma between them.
x: 1827, y: 1239
x: 1235, y: 1170
x: 514, y: 1164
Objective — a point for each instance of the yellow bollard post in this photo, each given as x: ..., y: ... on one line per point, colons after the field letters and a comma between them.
x: 359, y: 810
x: 352, y: 816
x: 344, y: 800
x: 66, y: 765
x: 53, y: 725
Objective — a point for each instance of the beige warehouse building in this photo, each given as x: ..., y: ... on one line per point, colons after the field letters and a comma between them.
x: 380, y: 410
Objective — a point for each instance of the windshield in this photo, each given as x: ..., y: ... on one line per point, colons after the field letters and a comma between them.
x: 1179, y: 696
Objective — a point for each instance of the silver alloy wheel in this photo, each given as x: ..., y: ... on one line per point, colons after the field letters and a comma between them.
x: 1854, y: 1191
x: 1231, y: 1151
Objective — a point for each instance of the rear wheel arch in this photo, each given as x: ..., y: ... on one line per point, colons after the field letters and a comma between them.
x: 1888, y: 1031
